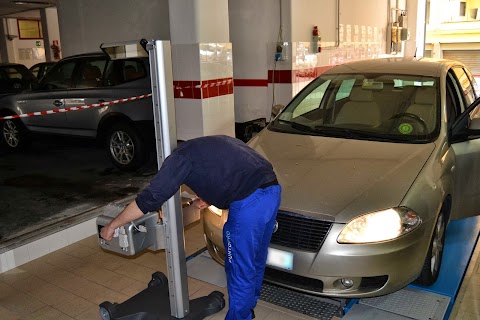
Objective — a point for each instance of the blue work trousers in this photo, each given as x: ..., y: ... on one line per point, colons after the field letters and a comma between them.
x: 246, y: 236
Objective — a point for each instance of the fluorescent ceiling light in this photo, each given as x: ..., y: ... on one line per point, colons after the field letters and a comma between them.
x: 47, y: 3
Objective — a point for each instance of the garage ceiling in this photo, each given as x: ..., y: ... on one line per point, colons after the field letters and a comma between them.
x: 11, y: 7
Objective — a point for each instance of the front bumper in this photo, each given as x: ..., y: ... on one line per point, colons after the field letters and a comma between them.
x: 374, y: 269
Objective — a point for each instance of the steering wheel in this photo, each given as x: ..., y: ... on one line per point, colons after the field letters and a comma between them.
x: 414, y: 117
x: 16, y: 84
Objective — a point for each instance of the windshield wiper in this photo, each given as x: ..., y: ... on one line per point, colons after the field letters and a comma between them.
x: 367, y: 135
x: 342, y: 132
x: 299, y: 126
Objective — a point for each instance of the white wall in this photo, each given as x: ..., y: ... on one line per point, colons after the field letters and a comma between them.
x: 86, y: 24
x: 253, y: 25
x: 23, y: 51
x: 323, y: 14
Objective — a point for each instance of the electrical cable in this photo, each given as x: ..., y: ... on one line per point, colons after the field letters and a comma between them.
x: 279, y: 40
x: 143, y: 229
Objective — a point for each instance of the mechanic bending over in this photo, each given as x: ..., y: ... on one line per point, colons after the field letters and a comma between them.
x: 228, y: 174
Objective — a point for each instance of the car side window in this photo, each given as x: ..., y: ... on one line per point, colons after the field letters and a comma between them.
x: 466, y: 85
x: 13, y: 73
x: 476, y: 89
x: 452, y: 103
x: 90, y: 73
x: 60, y: 77
x: 36, y: 70
x: 456, y: 92
x: 133, y: 70
x: 123, y: 71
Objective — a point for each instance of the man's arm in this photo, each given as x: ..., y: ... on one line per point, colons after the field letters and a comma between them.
x: 130, y: 213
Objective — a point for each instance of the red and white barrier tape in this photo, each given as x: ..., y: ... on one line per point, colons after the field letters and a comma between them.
x: 88, y: 106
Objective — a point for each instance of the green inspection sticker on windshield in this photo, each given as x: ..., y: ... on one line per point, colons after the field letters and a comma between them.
x: 405, y: 128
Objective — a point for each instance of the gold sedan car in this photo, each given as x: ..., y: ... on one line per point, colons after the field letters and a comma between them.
x: 374, y: 157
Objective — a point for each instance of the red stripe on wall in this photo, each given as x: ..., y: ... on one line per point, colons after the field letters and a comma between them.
x: 251, y: 82
x: 280, y: 76
x: 223, y: 86
x: 293, y: 76
x: 202, y: 90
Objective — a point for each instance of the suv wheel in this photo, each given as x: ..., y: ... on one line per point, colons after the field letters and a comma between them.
x: 125, y: 146
x: 14, y: 136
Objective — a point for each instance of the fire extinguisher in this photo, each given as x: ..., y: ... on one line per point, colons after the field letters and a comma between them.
x: 316, y: 46
x: 55, y: 49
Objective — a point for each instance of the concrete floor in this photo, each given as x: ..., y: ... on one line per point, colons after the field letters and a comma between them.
x: 57, y: 178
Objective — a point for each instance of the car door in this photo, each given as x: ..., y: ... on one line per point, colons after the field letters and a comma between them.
x: 49, y: 95
x: 89, y: 88
x: 465, y: 144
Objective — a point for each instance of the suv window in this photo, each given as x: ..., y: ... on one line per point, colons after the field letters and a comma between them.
x: 122, y: 71
x: 14, y: 78
x: 11, y: 73
x: 60, y: 77
x: 90, y: 73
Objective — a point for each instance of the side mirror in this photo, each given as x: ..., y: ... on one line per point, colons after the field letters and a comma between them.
x: 276, y: 109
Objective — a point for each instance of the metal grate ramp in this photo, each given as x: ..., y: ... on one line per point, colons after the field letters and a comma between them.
x: 315, y: 307
x: 408, y: 303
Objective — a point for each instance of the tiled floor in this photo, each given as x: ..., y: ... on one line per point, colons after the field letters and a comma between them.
x: 70, y: 283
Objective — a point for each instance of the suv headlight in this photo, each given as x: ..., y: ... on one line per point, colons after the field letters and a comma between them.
x: 379, y: 226
x: 215, y: 210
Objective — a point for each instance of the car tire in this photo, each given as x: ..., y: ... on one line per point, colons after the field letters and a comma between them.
x: 13, y: 135
x: 125, y: 147
x: 433, y: 260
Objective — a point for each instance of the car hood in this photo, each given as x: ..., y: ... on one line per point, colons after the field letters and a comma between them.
x: 337, y: 179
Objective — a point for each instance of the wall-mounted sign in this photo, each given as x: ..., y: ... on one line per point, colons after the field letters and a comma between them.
x: 38, y: 43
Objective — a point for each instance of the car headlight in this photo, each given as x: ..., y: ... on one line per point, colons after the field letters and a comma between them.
x: 380, y: 226
x: 215, y: 210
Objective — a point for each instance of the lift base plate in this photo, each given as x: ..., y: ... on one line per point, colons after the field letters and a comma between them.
x: 153, y: 303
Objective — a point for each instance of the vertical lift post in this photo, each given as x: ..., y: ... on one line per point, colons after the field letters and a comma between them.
x: 164, y: 298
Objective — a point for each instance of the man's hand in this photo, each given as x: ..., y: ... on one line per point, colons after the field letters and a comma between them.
x: 107, y: 232
x: 200, y: 204
x: 130, y: 213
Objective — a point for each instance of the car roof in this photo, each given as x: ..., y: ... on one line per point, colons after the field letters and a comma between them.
x: 423, y: 66
x: 87, y: 55
x: 11, y: 64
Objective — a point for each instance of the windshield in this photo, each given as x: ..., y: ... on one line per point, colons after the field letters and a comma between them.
x: 384, y: 107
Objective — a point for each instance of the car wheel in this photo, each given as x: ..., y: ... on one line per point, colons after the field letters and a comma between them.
x: 125, y: 146
x: 14, y: 135
x: 433, y: 261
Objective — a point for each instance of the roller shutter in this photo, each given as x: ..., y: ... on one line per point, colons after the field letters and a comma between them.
x: 471, y: 58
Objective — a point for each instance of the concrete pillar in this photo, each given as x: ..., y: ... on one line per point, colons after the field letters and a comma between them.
x: 51, y: 32
x: 416, y: 15
x: 3, y: 42
x: 202, y: 68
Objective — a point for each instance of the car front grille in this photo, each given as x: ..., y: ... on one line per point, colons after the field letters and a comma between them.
x: 293, y: 280
x: 300, y: 232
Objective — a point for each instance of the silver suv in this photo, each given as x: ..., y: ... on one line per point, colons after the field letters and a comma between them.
x: 126, y: 128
